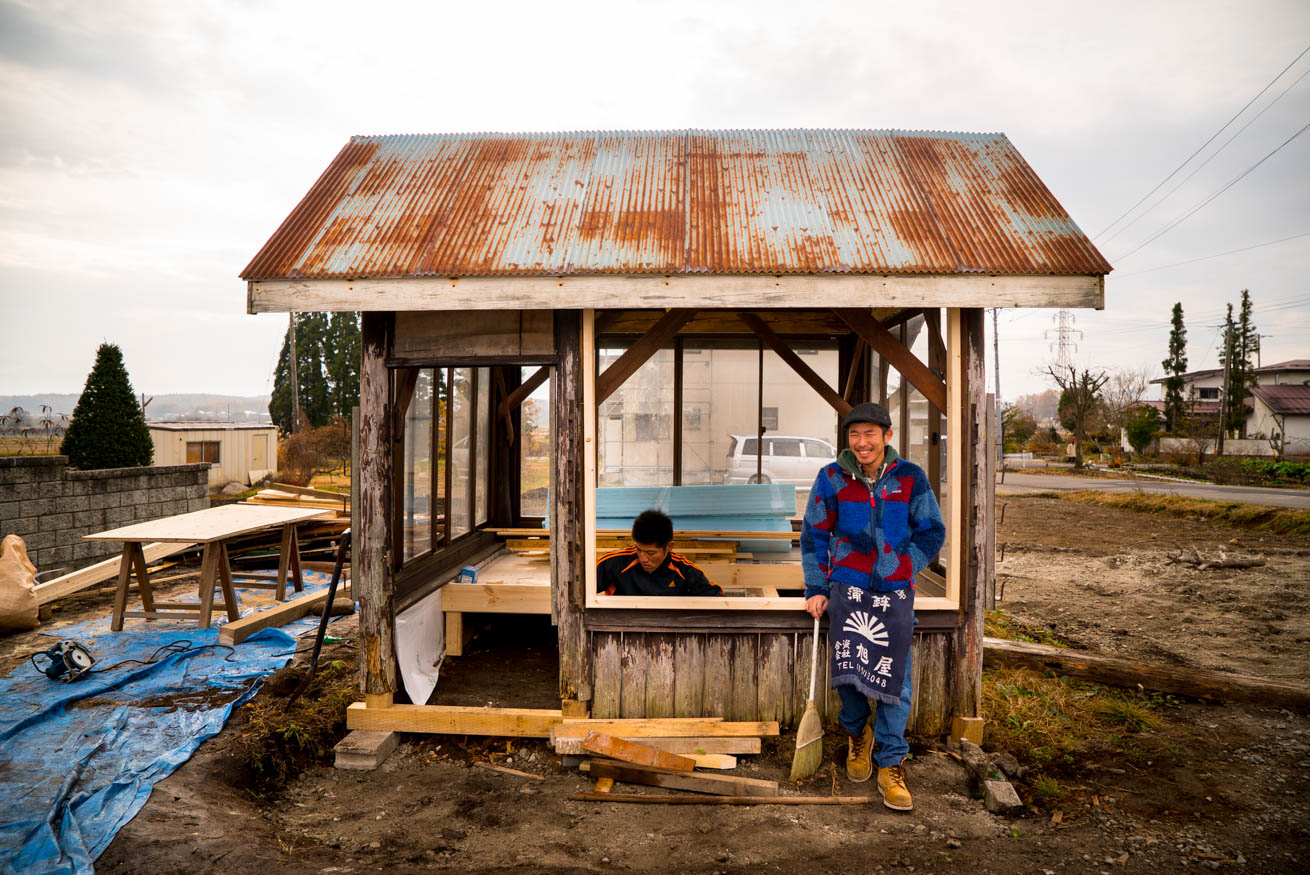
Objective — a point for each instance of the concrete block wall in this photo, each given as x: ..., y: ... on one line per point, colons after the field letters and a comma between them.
x: 51, y: 506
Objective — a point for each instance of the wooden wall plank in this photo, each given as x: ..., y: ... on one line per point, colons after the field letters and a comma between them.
x: 659, y: 675
x: 632, y: 698
x: 569, y: 560
x: 718, y: 675
x: 934, y: 678
x: 608, y: 674
x: 689, y: 675
x: 773, y: 692
x: 446, y: 334
x: 745, y: 675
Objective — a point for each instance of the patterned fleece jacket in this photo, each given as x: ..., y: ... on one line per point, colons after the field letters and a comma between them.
x: 876, y: 536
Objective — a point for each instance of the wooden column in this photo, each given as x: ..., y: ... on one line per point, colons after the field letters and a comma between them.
x: 372, y: 524
x: 967, y: 686
x: 567, y: 522
x: 937, y: 364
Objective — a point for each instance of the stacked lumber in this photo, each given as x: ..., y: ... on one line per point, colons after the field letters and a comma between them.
x: 285, y: 495
x: 698, y: 550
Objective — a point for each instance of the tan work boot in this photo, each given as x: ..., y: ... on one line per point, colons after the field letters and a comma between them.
x: 892, y: 786
x: 859, y: 760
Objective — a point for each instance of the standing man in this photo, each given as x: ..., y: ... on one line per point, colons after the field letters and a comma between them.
x: 871, y: 524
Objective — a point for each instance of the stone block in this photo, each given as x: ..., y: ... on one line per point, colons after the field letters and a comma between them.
x: 22, y: 526
x: 103, y: 500
x: 1000, y: 798
x: 61, y: 554
x: 10, y: 510
x: 40, y: 540
x: 201, y: 503
x: 92, y: 520
x: 72, y: 503
x: 365, y: 749
x: 53, y: 522
x: 117, y: 516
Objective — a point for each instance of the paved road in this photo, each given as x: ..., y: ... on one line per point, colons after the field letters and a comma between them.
x: 1017, y: 483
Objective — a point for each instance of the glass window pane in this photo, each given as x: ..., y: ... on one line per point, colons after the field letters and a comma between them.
x: 820, y: 450
x: 784, y: 447
x: 534, y: 449
x: 800, y: 413
x: 637, y: 449
x: 461, y: 418
x: 482, y: 485
x: 417, y: 473
x: 720, y: 412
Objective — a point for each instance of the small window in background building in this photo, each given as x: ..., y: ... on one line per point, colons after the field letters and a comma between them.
x: 202, y: 451
x: 769, y: 417
x: 691, y: 417
x: 1211, y: 394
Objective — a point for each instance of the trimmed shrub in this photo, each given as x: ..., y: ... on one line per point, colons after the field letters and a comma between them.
x: 108, y: 428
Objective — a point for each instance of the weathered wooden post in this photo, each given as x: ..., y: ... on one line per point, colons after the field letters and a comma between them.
x: 373, y: 578
x: 967, y: 686
x: 567, y: 576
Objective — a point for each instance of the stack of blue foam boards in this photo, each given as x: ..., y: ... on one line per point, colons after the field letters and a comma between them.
x: 766, y: 507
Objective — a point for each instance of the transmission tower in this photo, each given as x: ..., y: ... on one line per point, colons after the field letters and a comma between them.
x: 1064, y: 346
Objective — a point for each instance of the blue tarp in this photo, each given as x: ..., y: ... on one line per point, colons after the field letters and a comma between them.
x: 78, y: 760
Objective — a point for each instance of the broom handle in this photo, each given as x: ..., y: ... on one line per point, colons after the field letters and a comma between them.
x: 814, y: 658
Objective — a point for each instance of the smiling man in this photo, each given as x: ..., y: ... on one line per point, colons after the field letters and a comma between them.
x: 650, y: 566
x: 871, y: 524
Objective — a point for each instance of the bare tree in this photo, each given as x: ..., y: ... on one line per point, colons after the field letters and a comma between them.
x: 1123, y: 391
x: 1080, y: 391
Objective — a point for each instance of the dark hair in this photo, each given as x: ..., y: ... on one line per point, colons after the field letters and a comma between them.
x: 652, y: 527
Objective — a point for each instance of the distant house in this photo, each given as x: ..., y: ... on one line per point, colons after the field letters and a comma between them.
x: 1280, y: 402
x: 236, y: 451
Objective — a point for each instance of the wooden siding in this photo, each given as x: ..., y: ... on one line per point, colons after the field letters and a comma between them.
x: 744, y: 676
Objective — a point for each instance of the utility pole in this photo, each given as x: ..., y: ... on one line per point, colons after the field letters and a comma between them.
x: 293, y: 368
x: 1223, y: 393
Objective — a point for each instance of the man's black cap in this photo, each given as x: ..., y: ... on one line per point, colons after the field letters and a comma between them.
x: 867, y: 412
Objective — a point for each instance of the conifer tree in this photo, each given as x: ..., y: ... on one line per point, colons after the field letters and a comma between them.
x: 1174, y: 368
x: 108, y: 428
x: 328, y: 373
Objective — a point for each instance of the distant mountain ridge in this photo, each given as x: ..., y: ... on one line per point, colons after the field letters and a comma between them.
x: 179, y: 406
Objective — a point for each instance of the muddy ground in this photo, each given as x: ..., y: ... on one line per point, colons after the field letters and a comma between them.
x: 1210, y: 787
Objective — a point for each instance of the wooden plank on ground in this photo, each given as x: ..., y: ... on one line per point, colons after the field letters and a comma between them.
x: 571, y: 745
x: 697, y: 782
x: 667, y: 728
x: 679, y: 799
x: 1198, y: 683
x: 633, y: 752
x: 79, y: 580
x: 455, y: 720
x: 279, y: 615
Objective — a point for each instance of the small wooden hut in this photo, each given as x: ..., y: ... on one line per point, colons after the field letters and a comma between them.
x: 486, y: 264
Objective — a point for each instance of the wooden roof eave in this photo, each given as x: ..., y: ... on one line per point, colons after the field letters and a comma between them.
x: 700, y: 291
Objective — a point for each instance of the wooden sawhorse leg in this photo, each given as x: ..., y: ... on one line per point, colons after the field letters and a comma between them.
x: 216, y: 571
x: 134, y: 559
x: 289, y: 560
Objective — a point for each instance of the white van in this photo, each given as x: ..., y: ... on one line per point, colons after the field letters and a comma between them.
x: 788, y: 458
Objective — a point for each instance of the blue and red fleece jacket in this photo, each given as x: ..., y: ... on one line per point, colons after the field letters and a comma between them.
x: 875, y: 536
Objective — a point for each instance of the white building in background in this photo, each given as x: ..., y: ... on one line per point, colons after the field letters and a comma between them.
x: 236, y: 451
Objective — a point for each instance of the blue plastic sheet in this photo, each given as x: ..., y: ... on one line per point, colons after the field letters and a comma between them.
x: 78, y: 760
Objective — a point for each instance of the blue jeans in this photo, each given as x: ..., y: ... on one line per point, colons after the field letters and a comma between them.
x: 888, y: 723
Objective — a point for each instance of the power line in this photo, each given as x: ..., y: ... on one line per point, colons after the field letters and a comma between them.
x: 1176, y: 222
x: 1213, y: 155
x: 1206, y: 143
x: 1215, y: 255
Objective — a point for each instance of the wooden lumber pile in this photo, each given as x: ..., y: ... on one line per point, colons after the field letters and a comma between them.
x: 285, y: 495
x: 695, y: 549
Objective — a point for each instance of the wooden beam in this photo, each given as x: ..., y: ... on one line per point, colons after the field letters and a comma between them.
x: 455, y: 720
x: 901, y: 318
x: 967, y: 686
x: 682, y: 799
x: 857, y: 358
x: 406, y: 380
x: 674, y: 727
x: 640, y: 352
x: 76, y: 581
x: 526, y: 388
x: 279, y: 615
x: 709, y: 291
x: 571, y: 745
x: 891, y: 349
x: 634, y: 752
x: 672, y: 779
x: 569, y: 559
x: 496, y: 598
x: 374, y: 584
x: 1198, y: 683
x: 804, y: 371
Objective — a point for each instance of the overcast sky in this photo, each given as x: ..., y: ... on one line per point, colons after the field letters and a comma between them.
x: 148, y: 149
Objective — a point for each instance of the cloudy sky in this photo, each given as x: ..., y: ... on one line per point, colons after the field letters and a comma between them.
x: 149, y: 148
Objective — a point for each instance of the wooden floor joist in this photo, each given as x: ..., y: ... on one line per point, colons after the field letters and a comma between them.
x: 664, y: 728
x: 691, y: 746
x: 455, y: 720
x: 1116, y: 671
x: 671, y: 779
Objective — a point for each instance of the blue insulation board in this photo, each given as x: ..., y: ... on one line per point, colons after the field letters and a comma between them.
x: 78, y: 760
x: 749, y: 507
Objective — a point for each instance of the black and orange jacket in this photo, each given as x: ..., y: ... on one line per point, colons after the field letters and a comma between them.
x: 620, y: 573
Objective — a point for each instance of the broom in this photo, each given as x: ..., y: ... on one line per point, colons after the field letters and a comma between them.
x: 809, y: 734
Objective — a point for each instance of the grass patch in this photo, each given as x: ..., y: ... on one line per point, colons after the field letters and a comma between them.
x: 1287, y: 521
x: 275, y: 743
x: 999, y: 624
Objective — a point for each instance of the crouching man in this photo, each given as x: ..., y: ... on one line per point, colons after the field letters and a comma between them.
x: 649, y: 566
x: 871, y: 524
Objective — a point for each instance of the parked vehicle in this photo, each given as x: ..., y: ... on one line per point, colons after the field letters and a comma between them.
x: 788, y: 458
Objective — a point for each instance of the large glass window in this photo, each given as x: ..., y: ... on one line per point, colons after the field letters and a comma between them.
x: 461, y: 449
x: 482, y: 428
x: 417, y: 475
x: 534, y: 449
x: 636, y: 446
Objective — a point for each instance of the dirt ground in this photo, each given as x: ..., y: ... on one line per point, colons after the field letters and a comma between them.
x: 1209, y: 787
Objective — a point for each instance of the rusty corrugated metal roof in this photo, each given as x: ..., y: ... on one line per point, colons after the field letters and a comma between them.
x: 677, y: 202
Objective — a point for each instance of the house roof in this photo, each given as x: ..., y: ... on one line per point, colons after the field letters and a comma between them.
x: 677, y: 202
x: 1285, y: 400
x: 1289, y: 365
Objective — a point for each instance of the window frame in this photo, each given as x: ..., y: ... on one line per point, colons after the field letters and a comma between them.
x: 218, y: 452
x: 954, y: 512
